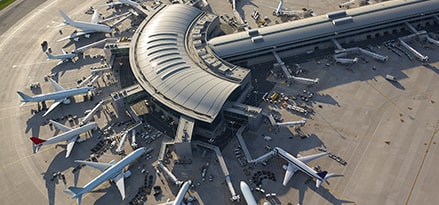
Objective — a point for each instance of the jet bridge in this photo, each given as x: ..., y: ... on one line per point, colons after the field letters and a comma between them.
x: 433, y: 41
x: 340, y: 55
x: 242, y: 142
x: 264, y: 157
x: 92, y: 112
x: 120, y: 149
x: 305, y: 81
x: 291, y: 123
x: 418, y: 55
x: 373, y: 55
x: 235, y: 196
x: 169, y: 174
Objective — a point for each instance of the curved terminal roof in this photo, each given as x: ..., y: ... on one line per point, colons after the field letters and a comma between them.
x: 165, y: 69
x: 315, y: 29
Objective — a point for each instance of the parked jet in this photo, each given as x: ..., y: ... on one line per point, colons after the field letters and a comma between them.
x: 86, y: 27
x: 248, y: 196
x: 110, y: 171
x: 61, y: 95
x: 280, y: 11
x: 70, y: 135
x: 62, y: 57
x: 123, y: 2
x: 180, y: 195
x: 299, y: 163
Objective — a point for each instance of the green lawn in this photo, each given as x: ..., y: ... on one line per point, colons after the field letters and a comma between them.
x: 5, y: 3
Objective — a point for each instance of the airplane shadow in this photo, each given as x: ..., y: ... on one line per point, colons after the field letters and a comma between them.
x: 33, y: 123
x: 306, y: 142
x: 433, y: 68
x: 304, y: 183
x: 82, y: 60
x: 62, y: 165
x: 397, y: 85
x: 324, y: 98
x: 111, y: 193
x: 85, y: 41
x: 59, y: 164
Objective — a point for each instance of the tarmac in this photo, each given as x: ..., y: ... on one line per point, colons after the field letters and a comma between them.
x: 385, y: 132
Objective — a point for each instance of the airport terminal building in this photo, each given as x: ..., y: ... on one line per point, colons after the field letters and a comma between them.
x: 188, y: 69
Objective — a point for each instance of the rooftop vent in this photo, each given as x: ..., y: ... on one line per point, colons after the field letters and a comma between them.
x: 342, y: 21
x: 337, y: 14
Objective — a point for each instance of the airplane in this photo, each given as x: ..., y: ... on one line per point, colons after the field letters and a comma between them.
x: 86, y: 27
x: 70, y: 135
x: 280, y: 11
x: 299, y: 163
x: 60, y: 95
x: 62, y: 57
x: 248, y: 196
x: 113, y: 171
x: 180, y: 195
x: 122, y: 2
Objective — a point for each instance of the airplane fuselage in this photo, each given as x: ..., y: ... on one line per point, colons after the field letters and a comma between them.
x: 248, y: 196
x: 58, y: 95
x: 70, y: 134
x: 112, y: 171
x: 299, y: 164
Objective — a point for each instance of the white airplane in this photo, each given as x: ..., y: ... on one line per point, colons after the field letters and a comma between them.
x: 70, y: 135
x: 122, y: 2
x: 180, y: 195
x: 62, y: 57
x: 299, y: 163
x: 61, y: 95
x: 248, y: 196
x: 110, y: 171
x: 87, y: 27
x: 280, y: 11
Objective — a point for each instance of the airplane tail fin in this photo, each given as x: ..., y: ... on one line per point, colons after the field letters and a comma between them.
x: 67, y: 19
x: 75, y: 192
x: 325, y: 176
x: 23, y: 96
x: 37, y: 140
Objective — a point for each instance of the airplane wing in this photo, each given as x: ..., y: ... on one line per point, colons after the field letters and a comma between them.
x: 119, y: 180
x: 60, y: 126
x: 70, y: 144
x: 95, y: 17
x: 306, y: 159
x: 56, y: 85
x: 291, y: 169
x: 56, y: 103
x: 97, y: 165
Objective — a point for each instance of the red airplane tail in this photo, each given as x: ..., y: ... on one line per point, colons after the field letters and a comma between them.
x: 37, y: 140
